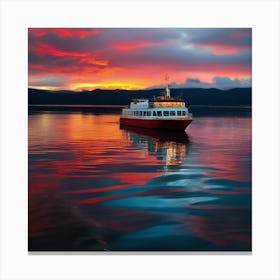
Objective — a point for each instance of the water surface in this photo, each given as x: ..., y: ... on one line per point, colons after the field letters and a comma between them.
x: 94, y: 186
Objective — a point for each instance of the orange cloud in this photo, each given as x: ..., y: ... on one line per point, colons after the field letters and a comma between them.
x: 63, y: 32
x: 124, y: 46
x: 94, y: 61
x: 76, y: 32
x: 46, y: 49
x: 220, y: 49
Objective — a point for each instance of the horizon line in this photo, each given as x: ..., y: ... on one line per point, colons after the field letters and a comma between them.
x: 145, y: 89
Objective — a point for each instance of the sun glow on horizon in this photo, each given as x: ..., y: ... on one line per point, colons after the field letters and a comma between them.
x: 106, y: 86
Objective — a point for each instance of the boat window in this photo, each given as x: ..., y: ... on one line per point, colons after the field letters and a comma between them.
x: 172, y: 113
x: 154, y: 113
x: 148, y: 113
x: 179, y: 113
x: 145, y: 113
x: 184, y: 113
x: 159, y: 113
x: 166, y: 113
x: 140, y: 113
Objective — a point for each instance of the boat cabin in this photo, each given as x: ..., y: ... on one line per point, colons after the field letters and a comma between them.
x: 139, y: 104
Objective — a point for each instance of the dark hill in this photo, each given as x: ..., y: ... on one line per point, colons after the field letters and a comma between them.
x: 196, y: 96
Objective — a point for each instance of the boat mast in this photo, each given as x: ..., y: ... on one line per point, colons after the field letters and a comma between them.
x: 167, y: 89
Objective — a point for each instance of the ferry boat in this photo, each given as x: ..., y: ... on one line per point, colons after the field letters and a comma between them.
x: 164, y: 112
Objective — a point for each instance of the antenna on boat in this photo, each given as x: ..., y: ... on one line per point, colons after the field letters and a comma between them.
x: 167, y: 89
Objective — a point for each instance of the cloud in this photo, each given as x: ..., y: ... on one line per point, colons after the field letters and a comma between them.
x: 47, y: 81
x: 221, y: 40
x: 140, y: 56
x: 51, y: 50
x: 63, y: 32
x: 226, y: 82
x: 217, y: 82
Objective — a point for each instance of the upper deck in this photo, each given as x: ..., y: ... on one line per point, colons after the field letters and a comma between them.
x: 168, y: 102
x: 157, y: 103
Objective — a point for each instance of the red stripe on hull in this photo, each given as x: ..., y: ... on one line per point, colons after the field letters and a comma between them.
x: 157, y: 124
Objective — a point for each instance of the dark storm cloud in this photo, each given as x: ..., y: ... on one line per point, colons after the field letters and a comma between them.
x: 217, y: 82
x: 241, y: 37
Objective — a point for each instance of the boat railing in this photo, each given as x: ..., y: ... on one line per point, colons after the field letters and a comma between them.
x: 188, y: 115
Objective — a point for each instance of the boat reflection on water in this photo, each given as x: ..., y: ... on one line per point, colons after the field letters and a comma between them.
x: 170, y: 147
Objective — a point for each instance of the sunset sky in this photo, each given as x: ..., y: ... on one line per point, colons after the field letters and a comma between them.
x: 138, y: 58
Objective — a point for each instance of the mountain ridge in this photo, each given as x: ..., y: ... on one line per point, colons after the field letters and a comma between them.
x: 192, y: 96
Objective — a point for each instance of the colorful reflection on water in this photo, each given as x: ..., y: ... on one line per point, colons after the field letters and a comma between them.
x: 95, y: 186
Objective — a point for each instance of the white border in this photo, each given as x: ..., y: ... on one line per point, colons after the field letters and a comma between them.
x: 17, y: 16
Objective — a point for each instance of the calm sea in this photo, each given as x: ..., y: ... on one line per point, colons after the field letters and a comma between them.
x: 96, y: 186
